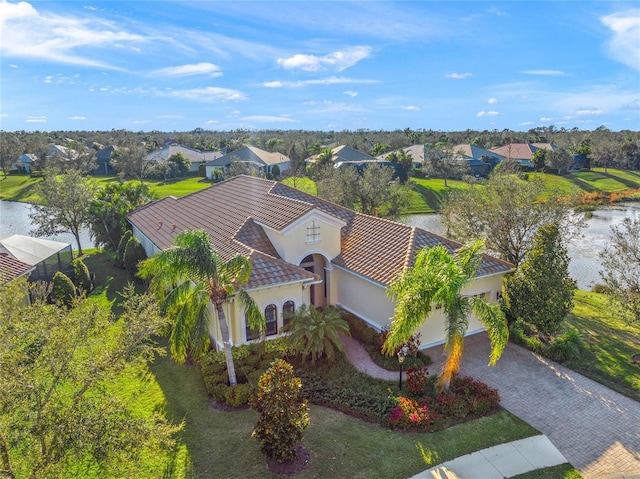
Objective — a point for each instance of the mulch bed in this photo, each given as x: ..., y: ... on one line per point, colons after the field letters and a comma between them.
x: 293, y: 467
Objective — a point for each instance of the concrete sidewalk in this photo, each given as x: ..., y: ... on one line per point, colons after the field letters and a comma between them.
x: 499, y: 462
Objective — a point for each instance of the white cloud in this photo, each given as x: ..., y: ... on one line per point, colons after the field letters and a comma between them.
x: 269, y: 119
x: 457, y: 76
x: 48, y: 79
x: 13, y: 65
x: 492, y: 101
x: 333, y: 80
x: 632, y: 105
x: 205, y: 68
x: 624, y: 45
x: 36, y: 119
x: 546, y: 119
x: 351, y: 93
x: 526, y: 123
x: 336, y: 61
x: 553, y: 73
x: 411, y: 108
x: 211, y: 122
x: 481, y: 114
x: 589, y: 111
x: 27, y: 33
x: 209, y: 94
x: 4, y: 115
x: 141, y: 122
x: 77, y: 117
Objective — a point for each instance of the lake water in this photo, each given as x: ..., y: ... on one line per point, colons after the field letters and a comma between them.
x: 585, y: 263
x: 14, y: 219
x: 584, y: 251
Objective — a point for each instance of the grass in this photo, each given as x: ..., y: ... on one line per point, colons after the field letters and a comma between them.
x: 303, y: 184
x: 219, y: 443
x: 562, y: 471
x: 19, y: 188
x: 610, y: 344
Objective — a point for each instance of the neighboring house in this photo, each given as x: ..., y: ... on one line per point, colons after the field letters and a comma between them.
x: 196, y: 157
x: 261, y: 160
x: 417, y: 152
x: 61, y: 151
x: 480, y: 161
x: 44, y: 256
x: 304, y: 250
x: 25, y: 163
x: 103, y: 160
x: 343, y: 154
x: 522, y: 152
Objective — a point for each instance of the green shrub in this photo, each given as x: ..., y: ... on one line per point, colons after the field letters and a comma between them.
x: 81, y: 276
x: 565, y: 347
x: 238, y: 395
x: 133, y: 254
x: 62, y: 290
x: 219, y: 391
x: 122, y: 245
x: 283, y: 416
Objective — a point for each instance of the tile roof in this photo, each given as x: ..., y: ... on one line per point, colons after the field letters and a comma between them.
x: 522, y: 151
x: 250, y: 154
x: 235, y: 211
x: 11, y: 268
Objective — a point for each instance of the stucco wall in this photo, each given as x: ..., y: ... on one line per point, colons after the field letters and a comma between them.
x: 277, y: 295
x: 368, y: 301
x: 294, y: 245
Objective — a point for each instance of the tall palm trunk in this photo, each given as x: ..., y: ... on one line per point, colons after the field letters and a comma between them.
x: 226, y: 342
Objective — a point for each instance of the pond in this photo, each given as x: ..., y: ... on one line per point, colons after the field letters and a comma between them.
x: 14, y: 219
x: 585, y: 263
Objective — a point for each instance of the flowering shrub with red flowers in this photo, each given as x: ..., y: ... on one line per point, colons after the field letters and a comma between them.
x: 433, y: 412
x: 409, y: 414
x: 480, y: 398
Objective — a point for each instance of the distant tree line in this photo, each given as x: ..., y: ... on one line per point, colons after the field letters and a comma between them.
x: 603, y: 147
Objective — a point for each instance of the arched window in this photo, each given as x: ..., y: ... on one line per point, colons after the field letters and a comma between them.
x: 271, y: 317
x: 288, y: 309
x: 250, y: 333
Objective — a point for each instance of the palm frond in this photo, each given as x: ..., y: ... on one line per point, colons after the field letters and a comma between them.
x: 496, y: 325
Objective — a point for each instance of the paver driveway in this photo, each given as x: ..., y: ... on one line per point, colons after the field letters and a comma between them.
x: 595, y: 428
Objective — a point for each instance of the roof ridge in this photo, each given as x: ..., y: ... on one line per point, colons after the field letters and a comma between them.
x: 410, y: 246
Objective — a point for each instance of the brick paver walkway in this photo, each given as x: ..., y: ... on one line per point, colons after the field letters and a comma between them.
x: 595, y: 428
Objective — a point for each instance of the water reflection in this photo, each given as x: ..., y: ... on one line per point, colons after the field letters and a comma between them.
x: 585, y: 263
x: 14, y: 219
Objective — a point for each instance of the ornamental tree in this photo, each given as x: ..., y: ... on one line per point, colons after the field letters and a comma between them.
x: 283, y: 416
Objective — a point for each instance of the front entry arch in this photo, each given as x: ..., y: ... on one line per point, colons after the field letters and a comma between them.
x: 316, y: 263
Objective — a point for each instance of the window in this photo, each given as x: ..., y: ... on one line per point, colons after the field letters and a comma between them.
x: 313, y: 232
x: 288, y: 309
x: 271, y: 316
x: 250, y: 333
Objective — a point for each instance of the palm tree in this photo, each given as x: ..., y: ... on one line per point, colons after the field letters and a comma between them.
x: 189, y: 276
x: 316, y: 332
x: 436, y: 280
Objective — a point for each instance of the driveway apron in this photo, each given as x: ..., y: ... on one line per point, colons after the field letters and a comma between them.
x: 595, y: 428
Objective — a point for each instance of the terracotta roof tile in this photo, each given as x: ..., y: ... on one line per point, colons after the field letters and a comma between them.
x: 11, y: 268
x: 233, y: 212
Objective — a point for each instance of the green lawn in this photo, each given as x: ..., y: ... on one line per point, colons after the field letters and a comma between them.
x: 563, y: 471
x: 219, y: 443
x: 610, y: 344
x: 303, y: 184
x: 553, y: 183
x: 596, y: 180
x: 19, y: 188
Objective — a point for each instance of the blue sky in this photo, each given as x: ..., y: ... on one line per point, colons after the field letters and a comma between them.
x: 162, y: 65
